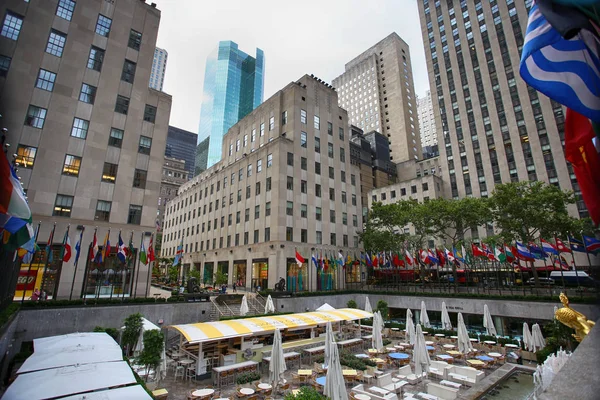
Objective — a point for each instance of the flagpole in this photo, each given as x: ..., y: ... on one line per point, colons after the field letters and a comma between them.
x: 127, y: 263
x: 37, y: 232
x: 138, y: 265
x: 573, y: 257
x: 106, y: 241
x: 48, y: 256
x: 62, y: 253
x: 76, y: 262
x: 87, y: 265
x: 586, y: 252
x: 559, y: 263
x: 112, y: 285
x: 148, y: 259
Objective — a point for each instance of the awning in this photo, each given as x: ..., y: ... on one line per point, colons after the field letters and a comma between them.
x: 208, y: 331
x: 125, y: 393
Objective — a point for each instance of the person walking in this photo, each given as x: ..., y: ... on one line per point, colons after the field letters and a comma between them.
x: 234, y: 287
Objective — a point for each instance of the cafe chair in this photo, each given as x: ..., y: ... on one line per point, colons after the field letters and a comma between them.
x: 180, y: 372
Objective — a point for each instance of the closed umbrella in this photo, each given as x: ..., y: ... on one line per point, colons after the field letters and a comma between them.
x: 537, y: 338
x: 527, y: 338
x: 420, y: 354
x: 488, y: 322
x: 368, y: 307
x: 335, y: 388
x: 446, y: 323
x: 464, y: 343
x: 277, y: 365
x: 269, y: 306
x: 328, y: 340
x: 424, y: 318
x: 377, y: 340
x: 410, y: 327
x: 244, y: 307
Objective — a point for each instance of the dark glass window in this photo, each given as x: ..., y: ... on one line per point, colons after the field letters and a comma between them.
x: 135, y: 39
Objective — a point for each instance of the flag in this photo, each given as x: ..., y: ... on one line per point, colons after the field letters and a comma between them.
x: 537, y: 253
x: 121, y: 251
x: 592, y: 245
x: 368, y: 259
x: 523, y: 252
x: 299, y: 259
x: 459, y: 256
x: 488, y: 252
x: 158, y: 228
x: 449, y: 255
x: 576, y: 245
x: 432, y: 257
x: 467, y: 258
x: 143, y: 258
x: 549, y: 248
x: 560, y: 246
x: 396, y: 260
x: 424, y: 257
x: 563, y: 69
x: 12, y: 198
x: 78, y: 246
x: 151, y: 256
x: 499, y: 254
x: 510, y: 255
x: 441, y: 257
x: 375, y: 261
x: 49, y: 246
x: 314, y: 260
x: 178, y: 254
x: 409, y: 259
x: 67, y: 249
x: 583, y: 156
x: 477, y: 252
x: 106, y: 247
x: 561, y: 262
x: 130, y: 250
x: 94, y: 252
x: 340, y: 259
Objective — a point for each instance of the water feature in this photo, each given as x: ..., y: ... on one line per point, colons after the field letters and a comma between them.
x: 517, y: 386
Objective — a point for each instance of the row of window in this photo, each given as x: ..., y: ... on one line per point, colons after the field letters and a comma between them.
x: 63, y: 206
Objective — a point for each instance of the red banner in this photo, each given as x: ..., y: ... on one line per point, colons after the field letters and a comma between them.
x: 27, y: 279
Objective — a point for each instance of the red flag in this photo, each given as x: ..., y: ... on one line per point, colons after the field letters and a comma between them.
x: 396, y: 260
x: 583, y: 156
x: 409, y: 258
x: 151, y: 256
x: 560, y: 246
x: 67, y: 253
x: 375, y: 261
x: 477, y: 252
x: 299, y: 258
x: 93, y: 248
x: 442, y: 257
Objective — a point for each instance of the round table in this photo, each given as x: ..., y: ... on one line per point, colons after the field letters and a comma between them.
x: 247, y: 391
x: 321, y: 380
x: 473, y: 339
x: 360, y: 396
x: 264, y: 386
x: 484, y: 358
x: 430, y: 348
x: 428, y: 342
x: 454, y: 337
x: 186, y: 362
x: 490, y: 342
x: 440, y: 335
x: 203, y: 392
x: 511, y: 346
x: 394, y: 329
x: 399, y: 356
x: 495, y: 355
x: 361, y: 355
x: 449, y: 346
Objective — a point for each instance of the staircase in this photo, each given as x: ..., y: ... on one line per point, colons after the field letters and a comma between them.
x: 256, y: 306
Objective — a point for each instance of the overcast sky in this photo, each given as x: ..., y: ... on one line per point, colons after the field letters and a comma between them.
x: 298, y: 37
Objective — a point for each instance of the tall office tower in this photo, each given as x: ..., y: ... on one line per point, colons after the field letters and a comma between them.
x: 377, y: 90
x: 159, y: 65
x: 492, y: 128
x: 290, y: 186
x: 88, y: 134
x: 174, y: 174
x: 426, y: 120
x: 201, y: 156
x: 233, y: 87
x: 181, y: 144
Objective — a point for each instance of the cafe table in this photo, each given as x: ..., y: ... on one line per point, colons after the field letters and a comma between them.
x: 398, y: 356
x: 361, y: 355
x: 321, y: 380
x: 454, y: 353
x: 305, y: 372
x: 449, y: 346
x: 360, y: 396
x: 486, y: 359
x: 489, y: 342
x: 247, y: 391
x: 511, y: 346
x: 203, y: 392
x: 264, y: 386
x: 429, y: 343
x: 495, y: 355
x: 478, y: 364
x: 440, y: 335
x: 445, y: 357
x: 349, y: 372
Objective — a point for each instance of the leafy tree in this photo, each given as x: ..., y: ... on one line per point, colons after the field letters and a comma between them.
x: 220, y: 278
x: 383, y: 229
x: 526, y: 210
x: 351, y: 304
x: 150, y: 356
x: 382, y: 307
x: 131, y: 333
x: 173, y: 274
x: 453, y: 218
x: 194, y: 273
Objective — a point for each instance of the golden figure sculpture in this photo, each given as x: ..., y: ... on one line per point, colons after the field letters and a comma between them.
x: 573, y: 319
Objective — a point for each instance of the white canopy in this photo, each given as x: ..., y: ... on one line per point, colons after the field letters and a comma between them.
x: 410, y: 327
x: 527, y: 338
x: 423, y: 317
x: 66, y: 381
x: 446, y: 323
x: 325, y: 307
x: 368, y: 307
x: 269, y: 306
x: 488, y: 322
x: 146, y: 326
x: 244, y: 309
x: 66, y: 350
x: 420, y: 353
x: 124, y: 393
x: 277, y: 365
x: 335, y: 388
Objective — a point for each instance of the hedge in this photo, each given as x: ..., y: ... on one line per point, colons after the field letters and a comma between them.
x: 99, y: 302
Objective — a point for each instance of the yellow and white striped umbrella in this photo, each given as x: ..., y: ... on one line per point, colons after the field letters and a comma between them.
x: 215, y: 330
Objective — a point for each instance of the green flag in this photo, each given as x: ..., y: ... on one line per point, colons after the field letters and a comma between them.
x: 143, y: 257
x: 500, y: 254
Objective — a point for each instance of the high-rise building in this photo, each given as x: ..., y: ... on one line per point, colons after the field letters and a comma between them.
x: 159, y: 66
x: 181, y: 144
x: 492, y: 128
x: 174, y: 174
x: 88, y: 133
x: 233, y: 87
x: 426, y: 120
x: 377, y: 90
x: 290, y: 186
x: 201, y: 156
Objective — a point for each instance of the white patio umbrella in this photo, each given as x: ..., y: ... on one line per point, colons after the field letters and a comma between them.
x: 446, y: 323
x: 410, y: 327
x: 420, y: 354
x: 488, y: 322
x: 244, y: 309
x: 527, y: 338
x: 335, y: 388
x: 377, y: 340
x: 368, y: 307
x: 464, y: 343
x: 424, y: 318
x: 537, y: 337
x: 329, y: 338
x: 269, y: 306
x: 277, y: 365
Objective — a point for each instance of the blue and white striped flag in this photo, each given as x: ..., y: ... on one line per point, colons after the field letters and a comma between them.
x: 567, y: 71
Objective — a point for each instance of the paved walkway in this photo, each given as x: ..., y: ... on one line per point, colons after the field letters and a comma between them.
x: 159, y: 291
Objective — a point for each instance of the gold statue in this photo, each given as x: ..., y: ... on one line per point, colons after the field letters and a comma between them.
x: 573, y: 319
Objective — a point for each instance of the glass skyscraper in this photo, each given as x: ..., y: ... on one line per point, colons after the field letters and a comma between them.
x: 233, y: 87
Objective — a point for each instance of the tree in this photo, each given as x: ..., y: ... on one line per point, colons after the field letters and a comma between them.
x: 383, y: 229
x: 220, y: 278
x: 526, y: 210
x: 173, y: 274
x: 131, y: 333
x: 351, y: 304
x: 150, y: 355
x: 382, y: 307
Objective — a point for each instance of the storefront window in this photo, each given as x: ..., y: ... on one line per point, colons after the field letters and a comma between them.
x: 239, y: 273
x: 353, y: 273
x: 222, y: 273
x: 111, y: 278
x: 297, y: 277
x: 326, y: 276
x: 260, y: 274
x: 207, y: 278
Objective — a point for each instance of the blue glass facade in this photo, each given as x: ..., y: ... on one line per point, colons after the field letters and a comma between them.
x: 233, y: 87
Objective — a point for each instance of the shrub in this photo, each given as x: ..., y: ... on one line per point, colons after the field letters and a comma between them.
x: 131, y: 333
x: 154, y: 342
x: 382, y: 307
x: 351, y: 304
x: 247, y: 377
x: 305, y: 393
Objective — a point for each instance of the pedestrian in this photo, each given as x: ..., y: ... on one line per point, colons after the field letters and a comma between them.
x: 234, y: 287
x: 36, y: 295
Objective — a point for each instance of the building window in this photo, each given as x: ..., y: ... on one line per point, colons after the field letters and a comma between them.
x: 145, y: 145
x: 116, y: 137
x: 329, y: 128
x: 11, y: 26
x: 332, y: 216
x: 303, y: 235
x: 135, y: 215
x: 303, y: 163
x: 258, y: 166
x: 271, y: 123
x: 56, y: 43
x: 342, y: 154
x: 253, y: 136
x: 88, y: 93
x: 150, y: 113
x: 122, y: 104
x: 139, y: 178
x: 290, y: 159
x: 319, y: 237
x: 284, y: 118
x: 248, y: 192
x: 354, y: 200
x: 413, y: 189
x: 267, y: 234
x: 267, y: 209
x: 330, y: 150
x: 332, y: 239
x: 4, y: 65
x: 317, y: 168
x: 354, y: 220
x: 247, y: 215
x: 289, y: 234
x: 62, y: 206
x: 317, y: 190
x: 80, y: 128
x: 289, y: 209
x: 345, y: 218
x: 317, y: 145
x: 71, y: 165
x: 268, y: 184
x: 290, y: 183
x: 343, y: 176
x: 303, y: 210
x: 65, y: 9
x: 103, y: 25
x: 103, y: 210
x: 128, y: 73
x: 269, y: 160
x: 95, y: 59
x: 256, y: 212
x: 303, y: 139
x: 317, y: 122
x: 45, y: 80
x: 26, y: 156
x: 331, y: 173
x: 109, y: 172
x: 303, y: 116
x: 344, y: 197
x: 332, y: 194
x: 318, y: 213
x: 352, y: 179
x: 249, y: 170
x: 135, y: 39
